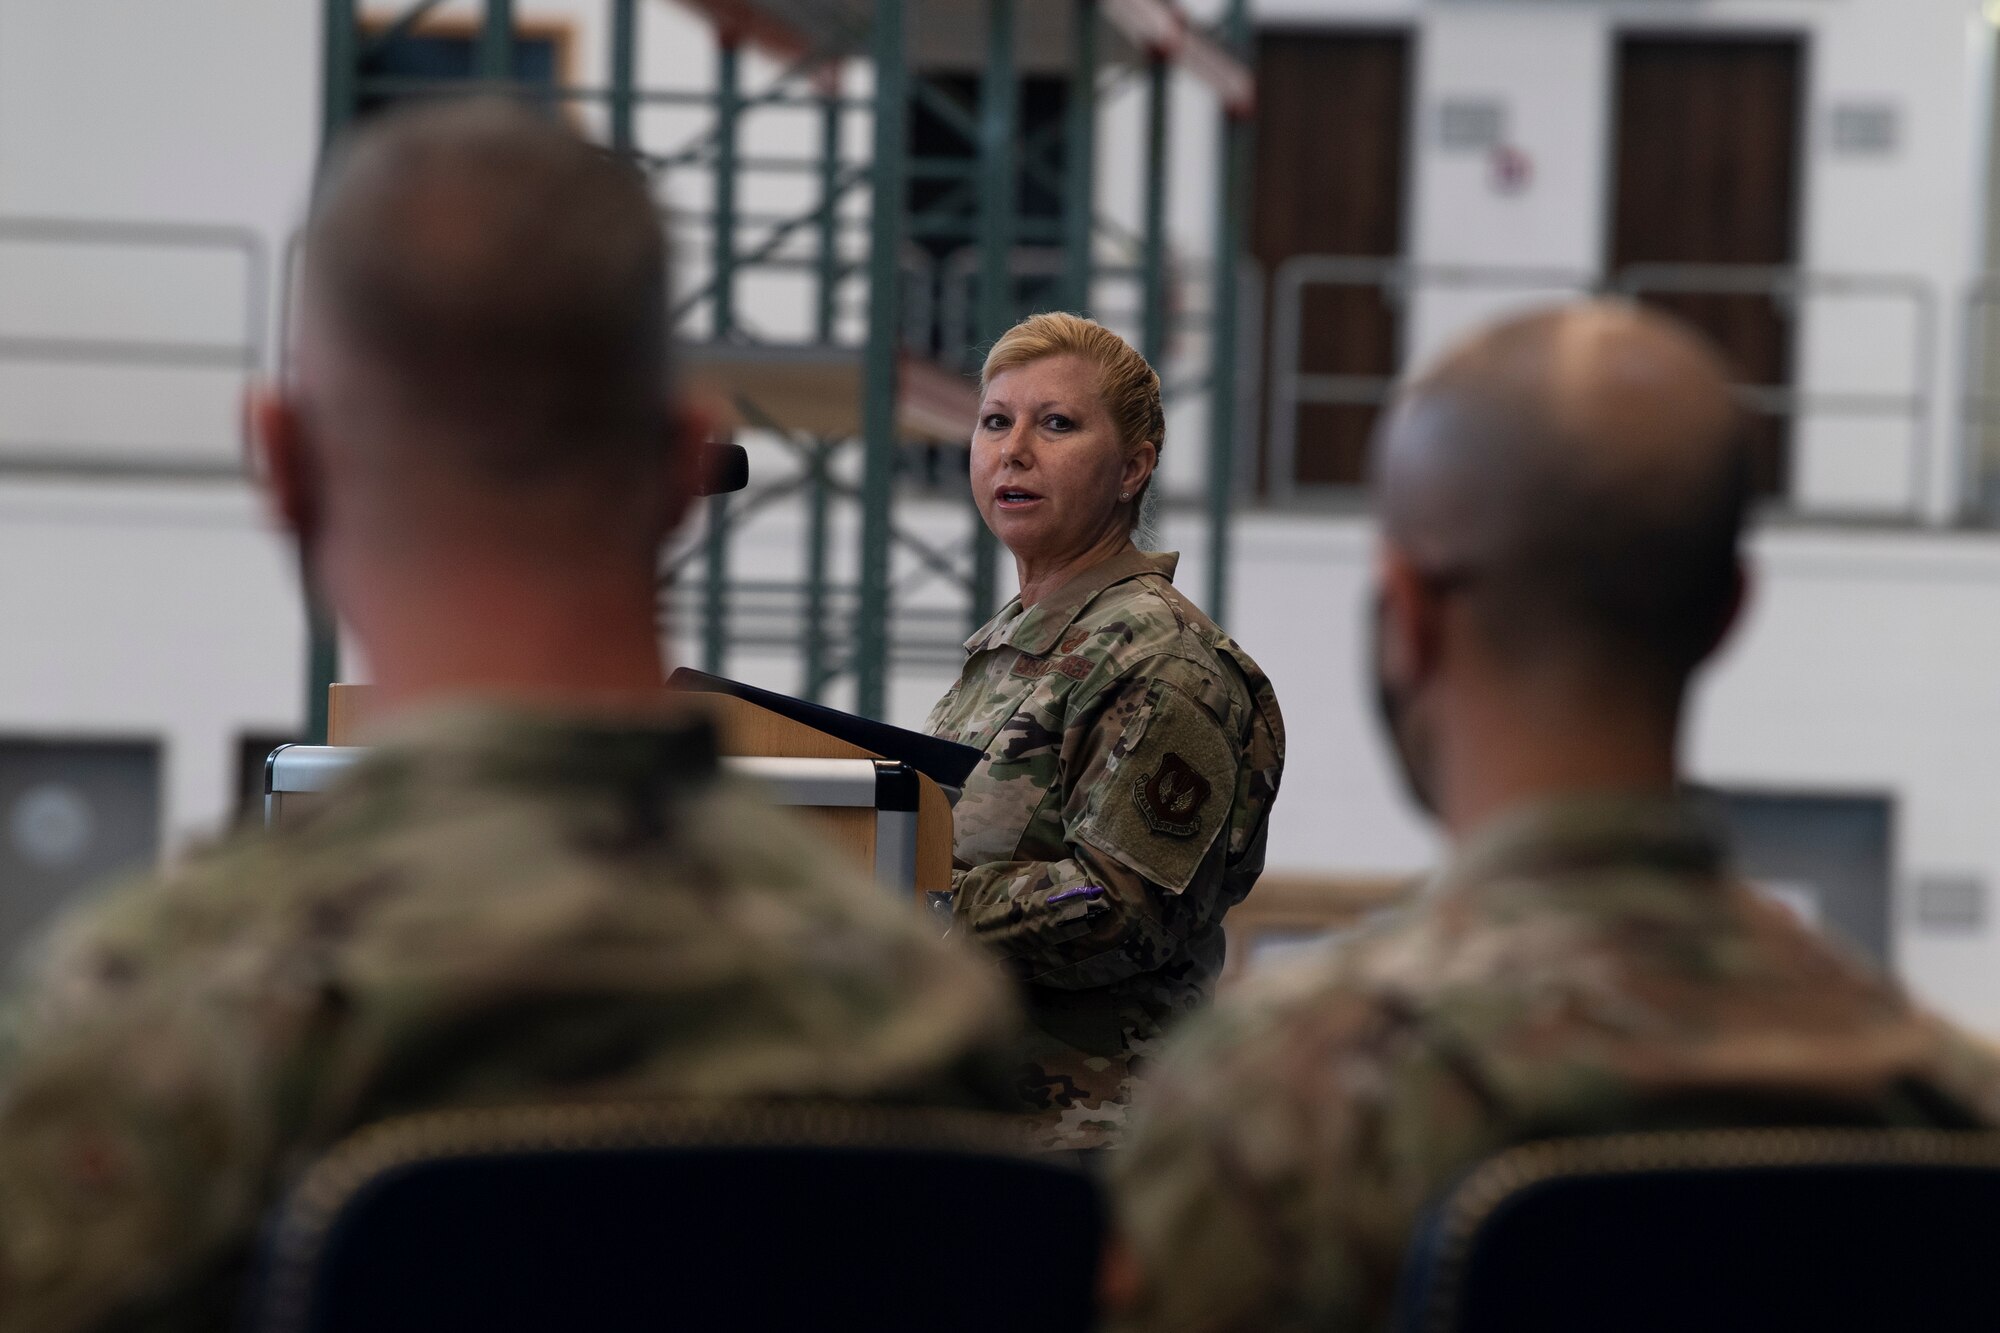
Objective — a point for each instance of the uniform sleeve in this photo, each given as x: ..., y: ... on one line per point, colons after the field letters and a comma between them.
x: 1278, y: 1162
x: 131, y: 1164
x: 1148, y: 775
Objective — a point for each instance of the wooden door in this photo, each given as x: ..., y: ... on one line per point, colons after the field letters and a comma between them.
x: 1708, y: 173
x: 1332, y: 130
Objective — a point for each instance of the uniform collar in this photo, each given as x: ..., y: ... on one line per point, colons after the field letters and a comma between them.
x: 1567, y: 835
x: 1037, y: 630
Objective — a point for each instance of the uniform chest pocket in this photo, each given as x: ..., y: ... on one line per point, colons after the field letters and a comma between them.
x: 1007, y: 801
x: 982, y: 726
x: 1009, y: 710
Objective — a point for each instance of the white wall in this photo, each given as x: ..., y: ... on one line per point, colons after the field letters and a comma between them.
x: 1863, y: 667
x: 119, y: 111
x: 198, y: 111
x: 146, y: 611
x: 133, y: 613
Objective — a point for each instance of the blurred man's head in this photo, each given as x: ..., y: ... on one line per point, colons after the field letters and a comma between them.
x: 481, y: 388
x: 1561, y: 498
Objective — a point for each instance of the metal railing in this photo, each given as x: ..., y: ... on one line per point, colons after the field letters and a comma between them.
x: 243, y: 354
x: 1790, y: 289
x: 957, y: 281
x: 1396, y: 281
x: 1399, y: 283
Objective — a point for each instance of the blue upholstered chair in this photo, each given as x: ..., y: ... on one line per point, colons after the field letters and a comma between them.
x: 1757, y: 1231
x: 617, y: 1219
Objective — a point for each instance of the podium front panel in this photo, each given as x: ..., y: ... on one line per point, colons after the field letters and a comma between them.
x: 866, y: 807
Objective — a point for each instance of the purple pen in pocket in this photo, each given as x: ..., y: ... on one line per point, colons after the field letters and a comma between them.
x: 1081, y: 891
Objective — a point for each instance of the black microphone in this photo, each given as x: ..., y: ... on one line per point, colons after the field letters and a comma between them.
x: 721, y: 468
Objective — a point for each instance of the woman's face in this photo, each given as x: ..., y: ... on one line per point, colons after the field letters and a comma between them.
x: 1047, y: 463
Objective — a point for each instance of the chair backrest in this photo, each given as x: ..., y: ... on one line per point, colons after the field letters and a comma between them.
x: 617, y: 1219
x: 1765, y: 1230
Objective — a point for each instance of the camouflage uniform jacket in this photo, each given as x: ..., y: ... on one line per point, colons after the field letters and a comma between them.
x: 1585, y: 967
x: 495, y: 907
x: 1132, y: 755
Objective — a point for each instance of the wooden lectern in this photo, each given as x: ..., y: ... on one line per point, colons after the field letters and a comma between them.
x: 870, y: 816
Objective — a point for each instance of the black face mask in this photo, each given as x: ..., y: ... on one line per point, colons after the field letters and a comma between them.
x: 1392, y: 708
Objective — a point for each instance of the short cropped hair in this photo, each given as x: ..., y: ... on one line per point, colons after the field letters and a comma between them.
x: 1592, y: 505
x: 1646, y: 582
x: 507, y: 280
x: 1130, y: 387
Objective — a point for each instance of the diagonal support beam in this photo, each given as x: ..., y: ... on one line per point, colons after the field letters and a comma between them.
x: 1159, y: 27
x: 740, y: 21
x: 938, y: 562
x: 945, y: 109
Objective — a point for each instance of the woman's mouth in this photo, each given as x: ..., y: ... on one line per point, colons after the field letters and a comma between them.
x: 1013, y: 497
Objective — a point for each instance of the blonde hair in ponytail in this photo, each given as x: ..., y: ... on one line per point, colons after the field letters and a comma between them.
x: 1130, y: 388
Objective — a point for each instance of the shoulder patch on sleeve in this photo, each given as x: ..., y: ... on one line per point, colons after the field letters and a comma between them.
x: 1171, y: 797
x: 1168, y: 793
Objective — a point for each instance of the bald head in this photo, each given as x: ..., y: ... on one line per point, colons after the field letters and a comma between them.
x: 485, y: 297
x: 1581, y: 473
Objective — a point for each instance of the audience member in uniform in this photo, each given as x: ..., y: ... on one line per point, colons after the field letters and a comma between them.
x: 1561, y: 504
x: 538, y: 887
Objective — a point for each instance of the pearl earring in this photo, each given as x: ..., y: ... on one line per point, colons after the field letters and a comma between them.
x: 1124, y: 495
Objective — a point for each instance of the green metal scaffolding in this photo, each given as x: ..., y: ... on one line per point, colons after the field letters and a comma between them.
x: 867, y: 640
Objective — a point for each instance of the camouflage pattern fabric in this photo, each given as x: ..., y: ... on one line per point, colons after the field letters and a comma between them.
x: 493, y: 908
x: 1586, y: 967
x: 1132, y: 755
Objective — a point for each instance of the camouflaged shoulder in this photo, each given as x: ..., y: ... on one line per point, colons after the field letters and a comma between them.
x: 1261, y: 725
x: 1262, y: 1183
x: 1200, y: 640
x: 1144, y: 622
x: 1269, y: 742
x: 1145, y: 628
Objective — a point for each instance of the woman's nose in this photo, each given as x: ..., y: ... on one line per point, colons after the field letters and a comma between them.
x: 1015, y: 448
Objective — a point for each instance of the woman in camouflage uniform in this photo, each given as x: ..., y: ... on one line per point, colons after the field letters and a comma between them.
x: 1132, y: 749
